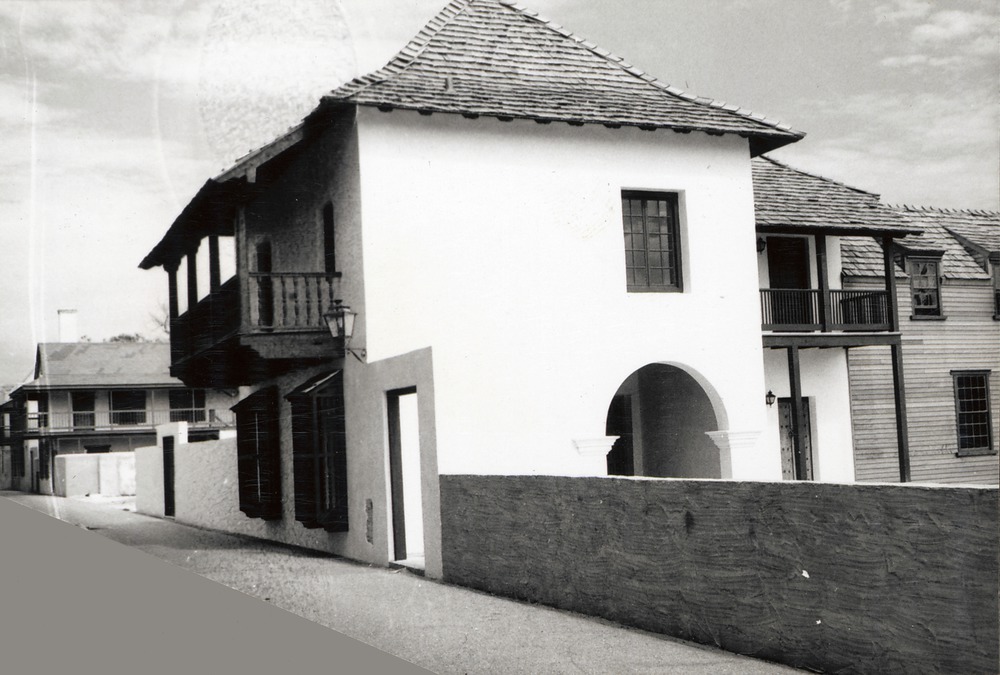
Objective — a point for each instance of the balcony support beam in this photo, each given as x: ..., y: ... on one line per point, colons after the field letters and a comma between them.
x: 899, y: 396
x: 889, y: 269
x: 173, y: 306
x: 214, y: 270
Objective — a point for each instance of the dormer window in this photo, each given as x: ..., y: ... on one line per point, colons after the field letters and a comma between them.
x: 925, y: 287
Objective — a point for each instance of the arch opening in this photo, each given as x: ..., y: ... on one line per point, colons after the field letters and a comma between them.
x: 661, y: 414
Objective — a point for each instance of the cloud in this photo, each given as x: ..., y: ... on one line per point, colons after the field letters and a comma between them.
x: 951, y: 25
x: 902, y: 10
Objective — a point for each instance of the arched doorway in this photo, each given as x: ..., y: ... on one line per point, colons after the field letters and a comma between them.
x: 661, y: 414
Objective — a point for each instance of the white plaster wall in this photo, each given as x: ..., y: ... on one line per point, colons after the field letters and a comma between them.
x: 500, y: 244
x: 149, y: 481
x: 825, y: 383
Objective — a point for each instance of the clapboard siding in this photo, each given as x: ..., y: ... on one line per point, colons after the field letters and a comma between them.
x: 968, y: 339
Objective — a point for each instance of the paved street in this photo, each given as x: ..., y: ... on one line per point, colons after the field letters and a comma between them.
x: 443, y: 628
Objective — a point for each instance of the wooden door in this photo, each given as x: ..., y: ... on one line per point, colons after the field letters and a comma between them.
x: 788, y: 442
x: 168, y: 476
x: 788, y: 272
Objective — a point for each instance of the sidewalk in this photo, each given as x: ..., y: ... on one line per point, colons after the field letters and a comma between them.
x: 443, y: 628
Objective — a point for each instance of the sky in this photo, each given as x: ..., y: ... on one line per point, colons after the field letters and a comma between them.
x: 114, y: 112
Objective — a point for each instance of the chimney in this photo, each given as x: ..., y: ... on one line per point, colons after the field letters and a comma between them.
x: 67, y: 326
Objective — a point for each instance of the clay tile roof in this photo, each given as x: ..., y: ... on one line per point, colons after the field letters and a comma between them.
x: 938, y: 230
x: 787, y: 198
x: 103, y: 364
x: 498, y: 59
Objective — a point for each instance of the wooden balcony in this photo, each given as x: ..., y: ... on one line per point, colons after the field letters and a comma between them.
x: 811, y: 310
x: 245, y: 332
x: 118, y: 421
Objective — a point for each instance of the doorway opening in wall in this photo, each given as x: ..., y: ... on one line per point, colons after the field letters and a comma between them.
x: 661, y: 415
x: 790, y: 469
x: 405, y: 494
x: 168, y: 476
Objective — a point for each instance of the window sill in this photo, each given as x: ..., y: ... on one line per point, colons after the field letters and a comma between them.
x: 927, y: 317
x: 655, y: 289
x: 976, y: 453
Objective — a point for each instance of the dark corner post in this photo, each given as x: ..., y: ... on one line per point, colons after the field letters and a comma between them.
x: 192, y: 280
x: 798, y: 427
x: 898, y: 384
x: 824, y: 283
x: 214, y: 270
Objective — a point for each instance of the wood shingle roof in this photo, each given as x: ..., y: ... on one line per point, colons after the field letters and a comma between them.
x: 102, y: 365
x: 787, y: 199
x: 495, y: 58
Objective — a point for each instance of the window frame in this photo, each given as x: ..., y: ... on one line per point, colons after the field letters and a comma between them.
x: 936, y: 312
x: 82, y: 416
x: 673, y: 235
x: 258, y: 454
x: 191, y: 412
x: 319, y: 464
x: 987, y: 412
x: 121, y: 417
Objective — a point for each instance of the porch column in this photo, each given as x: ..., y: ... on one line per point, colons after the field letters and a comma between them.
x: 798, y: 427
x: 172, y: 291
x: 192, y: 280
x: 824, y: 283
x: 734, y: 447
x: 898, y: 384
x: 214, y: 273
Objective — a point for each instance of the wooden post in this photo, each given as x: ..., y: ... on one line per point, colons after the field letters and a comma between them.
x: 898, y: 383
x: 889, y: 269
x: 172, y: 292
x: 899, y: 395
x: 824, y: 284
x: 214, y: 273
x: 192, y: 280
x: 798, y: 427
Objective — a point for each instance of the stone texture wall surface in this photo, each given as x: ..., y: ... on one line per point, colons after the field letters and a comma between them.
x: 830, y: 577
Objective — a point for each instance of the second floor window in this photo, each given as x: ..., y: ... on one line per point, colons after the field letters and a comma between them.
x: 652, y: 241
x: 128, y: 407
x: 187, y: 405
x: 83, y: 409
x: 925, y: 291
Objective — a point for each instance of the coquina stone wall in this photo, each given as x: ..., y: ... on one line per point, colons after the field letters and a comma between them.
x: 831, y: 577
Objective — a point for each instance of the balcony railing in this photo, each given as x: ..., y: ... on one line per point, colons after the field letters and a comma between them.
x: 126, y: 420
x: 289, y: 302
x: 270, y: 303
x: 808, y: 310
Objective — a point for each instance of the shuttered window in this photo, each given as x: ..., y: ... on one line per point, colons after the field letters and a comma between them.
x: 652, y: 241
x: 259, y: 454
x: 319, y: 446
x: 972, y: 412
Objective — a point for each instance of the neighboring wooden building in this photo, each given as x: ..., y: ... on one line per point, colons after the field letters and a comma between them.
x: 949, y: 316
x: 99, y: 397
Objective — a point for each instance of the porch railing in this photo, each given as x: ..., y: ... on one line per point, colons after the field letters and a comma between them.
x: 212, y: 320
x: 122, y: 420
x: 810, y: 310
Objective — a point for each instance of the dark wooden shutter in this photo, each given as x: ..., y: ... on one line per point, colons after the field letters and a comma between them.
x: 258, y: 454
x: 304, y: 462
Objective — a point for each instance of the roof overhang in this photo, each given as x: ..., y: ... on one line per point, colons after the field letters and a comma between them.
x: 834, y: 230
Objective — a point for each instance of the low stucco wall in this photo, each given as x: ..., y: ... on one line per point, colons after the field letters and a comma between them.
x: 110, y: 474
x: 149, y: 480
x: 838, y: 578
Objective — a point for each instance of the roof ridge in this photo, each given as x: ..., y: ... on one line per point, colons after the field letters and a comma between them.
x: 642, y: 75
x: 406, y: 56
x: 912, y: 208
x: 821, y: 177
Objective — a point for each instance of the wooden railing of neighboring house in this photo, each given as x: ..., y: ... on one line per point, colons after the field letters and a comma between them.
x: 810, y: 310
x: 126, y: 420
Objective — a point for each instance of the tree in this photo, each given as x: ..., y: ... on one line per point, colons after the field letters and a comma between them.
x: 126, y: 337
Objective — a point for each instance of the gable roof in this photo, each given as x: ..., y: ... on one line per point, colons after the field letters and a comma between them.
x: 102, y: 364
x: 787, y: 199
x: 863, y: 257
x: 499, y: 59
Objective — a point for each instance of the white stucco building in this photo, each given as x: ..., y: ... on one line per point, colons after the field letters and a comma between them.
x: 549, y: 259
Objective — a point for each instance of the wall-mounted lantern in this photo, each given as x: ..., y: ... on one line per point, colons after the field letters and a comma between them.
x: 769, y: 398
x: 340, y: 321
